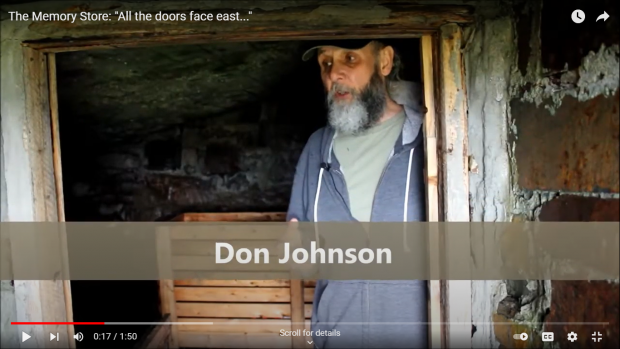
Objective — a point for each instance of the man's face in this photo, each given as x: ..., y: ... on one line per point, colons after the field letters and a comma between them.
x: 356, y: 94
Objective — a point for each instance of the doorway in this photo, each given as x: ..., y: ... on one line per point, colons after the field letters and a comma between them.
x: 148, y: 134
x: 440, y: 41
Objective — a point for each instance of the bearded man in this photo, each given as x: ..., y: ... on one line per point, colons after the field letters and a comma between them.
x: 365, y: 166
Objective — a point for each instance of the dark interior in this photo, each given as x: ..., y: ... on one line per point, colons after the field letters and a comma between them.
x: 149, y: 133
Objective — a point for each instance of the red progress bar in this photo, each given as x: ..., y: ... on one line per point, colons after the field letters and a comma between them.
x: 57, y: 323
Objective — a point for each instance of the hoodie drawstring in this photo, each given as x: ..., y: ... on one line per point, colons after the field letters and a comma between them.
x: 316, y: 197
x: 316, y: 208
x: 407, y: 201
x: 406, y: 205
x: 318, y: 192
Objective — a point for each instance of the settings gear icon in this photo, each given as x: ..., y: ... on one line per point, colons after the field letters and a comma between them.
x: 572, y: 336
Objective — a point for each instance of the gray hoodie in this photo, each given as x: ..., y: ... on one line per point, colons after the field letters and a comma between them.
x: 365, y: 313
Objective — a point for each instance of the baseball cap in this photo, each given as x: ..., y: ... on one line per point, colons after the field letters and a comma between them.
x: 354, y: 44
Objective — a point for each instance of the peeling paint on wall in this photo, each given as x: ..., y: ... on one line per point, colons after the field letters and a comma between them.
x: 531, y: 82
x: 597, y: 75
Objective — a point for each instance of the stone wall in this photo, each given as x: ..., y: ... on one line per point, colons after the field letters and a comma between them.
x: 221, y: 168
x: 150, y: 133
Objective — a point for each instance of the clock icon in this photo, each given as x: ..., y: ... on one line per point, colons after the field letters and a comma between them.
x: 578, y: 16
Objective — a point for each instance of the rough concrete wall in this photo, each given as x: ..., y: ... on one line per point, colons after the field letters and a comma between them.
x: 563, y: 117
x: 576, y: 107
x: 19, y: 192
x: 543, y: 127
x: 3, y: 203
x: 13, y: 155
x: 489, y: 56
x: 9, y: 338
x: 10, y: 334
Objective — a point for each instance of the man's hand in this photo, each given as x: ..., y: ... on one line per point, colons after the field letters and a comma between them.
x: 293, y: 238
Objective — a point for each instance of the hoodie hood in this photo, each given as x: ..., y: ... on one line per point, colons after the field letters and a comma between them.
x: 319, y: 191
x: 408, y: 137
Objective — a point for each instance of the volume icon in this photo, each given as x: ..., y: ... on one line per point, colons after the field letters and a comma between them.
x: 78, y: 336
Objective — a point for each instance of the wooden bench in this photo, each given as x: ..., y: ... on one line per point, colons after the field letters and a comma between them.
x: 241, y: 313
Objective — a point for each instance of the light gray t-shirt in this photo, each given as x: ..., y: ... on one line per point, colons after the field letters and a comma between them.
x: 362, y: 160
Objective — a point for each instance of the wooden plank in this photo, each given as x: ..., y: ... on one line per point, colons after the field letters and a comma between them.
x: 238, y: 310
x: 455, y: 168
x: 111, y: 42
x: 158, y: 336
x: 233, y: 340
x: 39, y: 136
x: 239, y: 294
x: 430, y: 128
x: 231, y: 275
x: 227, y: 232
x: 40, y: 300
x: 55, y: 125
x: 245, y: 326
x: 207, y: 247
x: 241, y: 283
x: 298, y: 297
x: 166, y: 286
x: 293, y: 22
x: 454, y: 127
x: 232, y: 217
x: 427, y: 48
x: 60, y: 198
x: 202, y: 263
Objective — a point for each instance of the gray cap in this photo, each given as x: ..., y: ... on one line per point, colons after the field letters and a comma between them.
x: 346, y: 44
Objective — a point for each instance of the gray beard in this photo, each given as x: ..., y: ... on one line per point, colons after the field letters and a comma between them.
x: 362, y: 112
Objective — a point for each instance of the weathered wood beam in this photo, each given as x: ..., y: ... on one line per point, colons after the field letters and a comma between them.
x: 40, y: 300
x: 298, y: 304
x: 60, y: 200
x: 428, y: 46
x: 304, y: 22
x: 455, y: 168
x: 166, y: 287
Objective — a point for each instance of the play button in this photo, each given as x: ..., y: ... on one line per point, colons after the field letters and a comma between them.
x: 25, y: 336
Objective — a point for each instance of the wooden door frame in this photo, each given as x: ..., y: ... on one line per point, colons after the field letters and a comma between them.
x: 445, y: 130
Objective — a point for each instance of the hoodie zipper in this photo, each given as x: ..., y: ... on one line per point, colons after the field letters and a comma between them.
x: 387, y: 166
x: 345, y: 198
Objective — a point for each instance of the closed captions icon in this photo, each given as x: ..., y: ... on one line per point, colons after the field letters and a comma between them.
x: 578, y: 16
x: 547, y: 336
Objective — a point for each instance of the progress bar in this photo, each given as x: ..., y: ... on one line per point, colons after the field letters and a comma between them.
x: 112, y: 323
x: 246, y: 323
